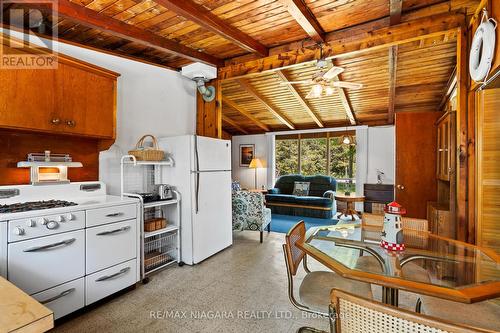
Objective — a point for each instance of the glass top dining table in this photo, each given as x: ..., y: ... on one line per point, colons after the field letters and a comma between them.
x: 430, y: 264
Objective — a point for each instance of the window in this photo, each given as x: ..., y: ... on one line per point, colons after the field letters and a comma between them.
x: 286, y: 154
x: 313, y: 156
x: 317, y: 154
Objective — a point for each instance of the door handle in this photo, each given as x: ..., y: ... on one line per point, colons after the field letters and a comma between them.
x: 400, y: 187
x: 49, y: 246
x: 55, y: 121
x: 108, y: 277
x: 71, y: 123
x: 111, y: 232
x: 64, y: 293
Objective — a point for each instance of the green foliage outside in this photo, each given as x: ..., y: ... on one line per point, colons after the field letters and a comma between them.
x: 313, y: 155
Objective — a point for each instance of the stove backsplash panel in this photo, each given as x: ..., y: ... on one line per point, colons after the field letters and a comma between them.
x: 15, y: 146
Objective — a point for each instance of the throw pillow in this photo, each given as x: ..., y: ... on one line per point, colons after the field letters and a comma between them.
x: 301, y: 188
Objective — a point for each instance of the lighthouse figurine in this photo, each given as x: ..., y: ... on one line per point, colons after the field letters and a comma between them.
x: 392, y: 233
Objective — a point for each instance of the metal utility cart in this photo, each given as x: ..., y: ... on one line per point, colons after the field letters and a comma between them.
x: 159, y: 248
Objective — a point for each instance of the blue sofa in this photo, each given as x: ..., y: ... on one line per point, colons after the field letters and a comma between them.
x: 319, y: 203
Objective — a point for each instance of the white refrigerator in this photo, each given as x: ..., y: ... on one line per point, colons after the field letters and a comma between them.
x: 202, y: 174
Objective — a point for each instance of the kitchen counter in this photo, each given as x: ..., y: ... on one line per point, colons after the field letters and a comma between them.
x: 20, y: 312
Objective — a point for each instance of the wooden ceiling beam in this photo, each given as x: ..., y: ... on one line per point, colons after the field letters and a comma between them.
x: 306, y: 19
x: 345, y: 103
x: 393, y: 67
x: 117, y: 28
x: 234, y: 124
x: 395, y: 9
x: 348, y: 45
x: 245, y: 84
x: 204, y: 18
x: 238, y: 108
x: 285, y: 78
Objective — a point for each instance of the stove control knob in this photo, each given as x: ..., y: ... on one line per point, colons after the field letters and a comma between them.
x: 42, y: 220
x: 59, y: 218
x: 18, y: 231
x: 31, y: 223
x: 52, y: 225
x: 70, y: 217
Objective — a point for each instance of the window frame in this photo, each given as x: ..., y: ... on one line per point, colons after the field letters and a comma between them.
x: 327, y: 136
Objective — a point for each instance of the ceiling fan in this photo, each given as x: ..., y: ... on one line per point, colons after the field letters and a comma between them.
x: 324, y: 81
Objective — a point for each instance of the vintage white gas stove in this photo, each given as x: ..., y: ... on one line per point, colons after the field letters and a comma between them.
x: 69, y: 244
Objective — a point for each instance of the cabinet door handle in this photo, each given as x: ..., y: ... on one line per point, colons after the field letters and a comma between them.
x: 108, y: 277
x: 55, y: 121
x: 111, y: 232
x: 64, y: 293
x: 49, y: 246
x: 114, y: 214
x: 71, y: 123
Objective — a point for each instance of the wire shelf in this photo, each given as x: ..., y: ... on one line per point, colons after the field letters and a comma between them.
x: 160, y: 250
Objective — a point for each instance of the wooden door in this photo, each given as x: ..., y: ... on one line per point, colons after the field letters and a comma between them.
x: 416, y: 145
x: 27, y: 99
x: 87, y: 101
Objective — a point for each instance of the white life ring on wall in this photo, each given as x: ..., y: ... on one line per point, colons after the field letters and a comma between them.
x: 482, y: 49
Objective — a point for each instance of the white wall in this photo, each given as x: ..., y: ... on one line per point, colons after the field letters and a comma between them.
x: 381, y: 154
x: 150, y: 100
x: 245, y: 175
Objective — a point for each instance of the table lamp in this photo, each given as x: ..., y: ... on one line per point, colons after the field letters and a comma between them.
x: 255, y: 164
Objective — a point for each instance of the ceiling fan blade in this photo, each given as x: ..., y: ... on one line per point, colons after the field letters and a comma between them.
x: 348, y: 85
x: 333, y: 72
x: 296, y: 82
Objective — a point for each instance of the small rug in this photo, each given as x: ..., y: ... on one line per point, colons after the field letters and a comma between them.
x: 283, y: 223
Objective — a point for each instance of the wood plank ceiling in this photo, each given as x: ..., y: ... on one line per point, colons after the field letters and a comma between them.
x: 173, y: 33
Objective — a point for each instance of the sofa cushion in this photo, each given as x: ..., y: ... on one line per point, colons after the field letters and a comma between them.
x: 297, y: 200
x: 320, y: 184
x: 286, y: 183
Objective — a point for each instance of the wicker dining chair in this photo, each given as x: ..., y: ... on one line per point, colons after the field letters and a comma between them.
x: 314, y: 290
x: 354, y: 314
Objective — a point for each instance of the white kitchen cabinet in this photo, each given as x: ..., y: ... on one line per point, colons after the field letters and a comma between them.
x: 110, y: 214
x: 110, y: 244
x: 109, y: 281
x: 63, y: 299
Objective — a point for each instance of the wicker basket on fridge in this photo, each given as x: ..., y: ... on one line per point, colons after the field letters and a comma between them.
x: 143, y: 153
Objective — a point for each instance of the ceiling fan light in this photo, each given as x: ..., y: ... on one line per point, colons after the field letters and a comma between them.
x: 346, y: 139
x: 317, y: 90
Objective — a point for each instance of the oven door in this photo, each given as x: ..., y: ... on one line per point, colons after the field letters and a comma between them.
x: 42, y: 263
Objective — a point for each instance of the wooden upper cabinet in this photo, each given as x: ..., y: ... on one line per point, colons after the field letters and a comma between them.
x: 445, y: 146
x: 86, y: 101
x: 77, y: 98
x: 27, y: 99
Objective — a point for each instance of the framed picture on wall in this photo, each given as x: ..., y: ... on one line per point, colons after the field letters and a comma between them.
x: 247, y: 153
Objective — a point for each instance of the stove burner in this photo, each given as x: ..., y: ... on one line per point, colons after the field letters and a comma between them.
x: 34, y: 205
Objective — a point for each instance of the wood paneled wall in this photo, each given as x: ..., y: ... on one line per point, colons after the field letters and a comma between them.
x: 209, y: 115
x: 16, y: 145
x: 488, y: 169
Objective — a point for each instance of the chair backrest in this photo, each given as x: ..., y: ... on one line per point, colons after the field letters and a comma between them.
x: 356, y: 314
x: 408, y: 222
x: 294, y: 254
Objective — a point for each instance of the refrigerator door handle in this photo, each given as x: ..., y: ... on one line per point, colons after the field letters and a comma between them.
x: 197, y: 185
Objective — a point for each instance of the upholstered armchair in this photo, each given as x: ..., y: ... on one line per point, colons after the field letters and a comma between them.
x: 250, y: 213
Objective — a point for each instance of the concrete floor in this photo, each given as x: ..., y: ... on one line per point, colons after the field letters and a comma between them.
x: 244, y: 287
